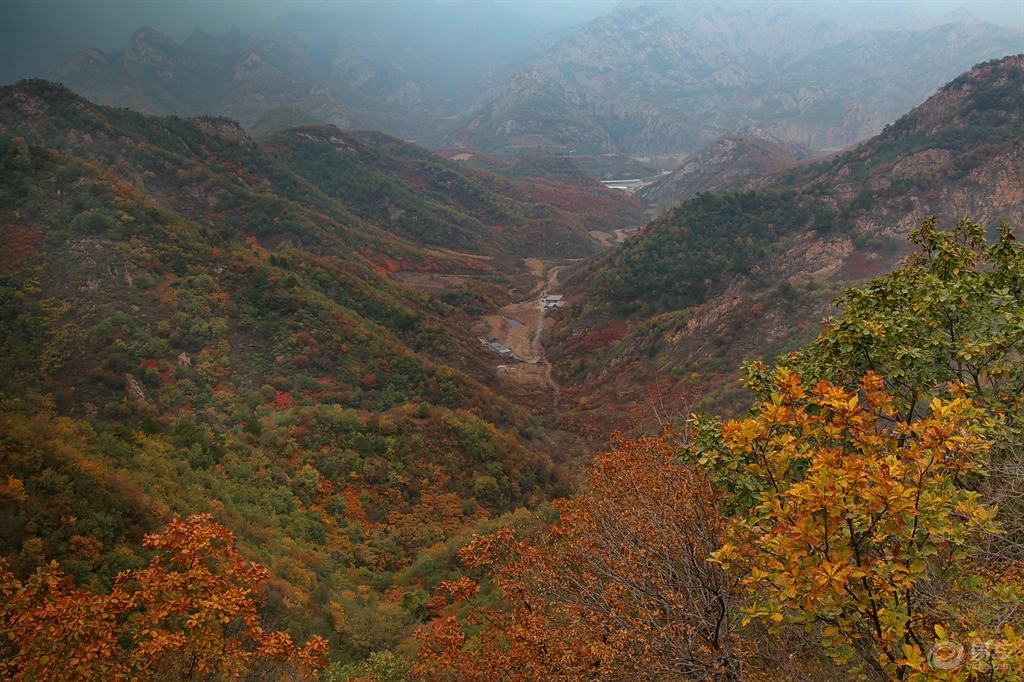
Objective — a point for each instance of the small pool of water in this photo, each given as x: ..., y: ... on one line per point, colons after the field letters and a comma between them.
x: 516, y: 324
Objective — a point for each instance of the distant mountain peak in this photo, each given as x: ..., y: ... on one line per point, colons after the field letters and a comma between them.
x: 150, y: 36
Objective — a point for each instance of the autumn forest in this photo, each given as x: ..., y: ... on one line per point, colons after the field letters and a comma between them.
x: 299, y: 398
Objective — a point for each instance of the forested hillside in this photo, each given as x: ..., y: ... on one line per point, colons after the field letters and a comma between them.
x: 196, y: 323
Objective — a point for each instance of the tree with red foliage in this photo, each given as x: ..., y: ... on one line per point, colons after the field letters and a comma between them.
x: 620, y: 588
x: 190, y: 614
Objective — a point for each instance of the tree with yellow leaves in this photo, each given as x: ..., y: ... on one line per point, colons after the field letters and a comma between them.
x: 860, y: 532
x: 845, y: 510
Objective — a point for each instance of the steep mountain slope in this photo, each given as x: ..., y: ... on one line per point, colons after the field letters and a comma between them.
x: 780, y: 33
x: 417, y: 194
x: 657, y: 79
x: 751, y: 270
x: 395, y: 185
x: 250, y: 79
x: 729, y: 158
x: 396, y: 67
x: 195, y: 322
x: 614, y: 85
x: 888, y: 72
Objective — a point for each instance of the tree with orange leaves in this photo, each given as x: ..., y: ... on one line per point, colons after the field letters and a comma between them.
x: 620, y: 588
x: 191, y: 614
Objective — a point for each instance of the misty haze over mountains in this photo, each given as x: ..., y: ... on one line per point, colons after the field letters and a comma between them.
x: 639, y: 78
x: 38, y: 36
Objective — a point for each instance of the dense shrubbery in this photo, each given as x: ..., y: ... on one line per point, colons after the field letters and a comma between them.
x: 190, y: 612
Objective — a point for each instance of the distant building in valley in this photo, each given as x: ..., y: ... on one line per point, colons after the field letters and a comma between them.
x: 499, y: 349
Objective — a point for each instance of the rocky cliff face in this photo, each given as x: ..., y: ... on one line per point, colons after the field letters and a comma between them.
x: 662, y: 79
x: 856, y: 122
x: 632, y: 78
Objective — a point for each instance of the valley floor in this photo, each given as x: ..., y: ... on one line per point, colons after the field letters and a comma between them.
x: 519, y: 327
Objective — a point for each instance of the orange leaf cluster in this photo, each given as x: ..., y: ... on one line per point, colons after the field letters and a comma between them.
x: 191, y: 612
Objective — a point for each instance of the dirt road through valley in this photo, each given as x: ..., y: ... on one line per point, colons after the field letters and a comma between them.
x: 519, y: 327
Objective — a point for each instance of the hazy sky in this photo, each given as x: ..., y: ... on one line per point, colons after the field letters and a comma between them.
x: 37, y: 36
x: 1000, y: 12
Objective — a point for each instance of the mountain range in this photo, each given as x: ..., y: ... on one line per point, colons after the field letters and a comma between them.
x: 266, y: 83
x: 645, y: 79
x: 230, y: 286
x: 668, y: 78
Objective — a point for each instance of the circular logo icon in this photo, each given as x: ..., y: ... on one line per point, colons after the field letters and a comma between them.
x: 946, y: 654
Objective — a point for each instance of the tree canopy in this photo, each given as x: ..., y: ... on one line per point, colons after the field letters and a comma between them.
x: 191, y: 613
